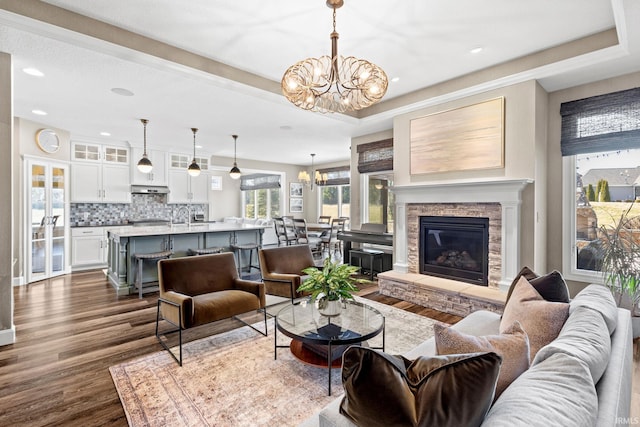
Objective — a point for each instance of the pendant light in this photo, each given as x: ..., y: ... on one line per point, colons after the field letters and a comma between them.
x: 144, y: 164
x: 194, y: 169
x: 235, y: 173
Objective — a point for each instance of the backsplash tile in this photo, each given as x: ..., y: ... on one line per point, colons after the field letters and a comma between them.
x: 142, y: 206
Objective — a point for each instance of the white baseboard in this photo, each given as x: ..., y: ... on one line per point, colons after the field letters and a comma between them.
x: 18, y: 281
x: 8, y: 336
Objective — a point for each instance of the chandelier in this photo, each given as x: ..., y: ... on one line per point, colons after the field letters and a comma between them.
x: 334, y: 84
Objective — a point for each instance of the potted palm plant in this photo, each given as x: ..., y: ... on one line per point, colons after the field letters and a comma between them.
x: 621, y: 262
x: 330, y: 285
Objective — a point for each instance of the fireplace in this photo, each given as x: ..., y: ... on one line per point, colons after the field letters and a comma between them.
x: 455, y: 248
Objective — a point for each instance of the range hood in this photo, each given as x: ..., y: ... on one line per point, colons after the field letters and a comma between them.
x: 149, y: 189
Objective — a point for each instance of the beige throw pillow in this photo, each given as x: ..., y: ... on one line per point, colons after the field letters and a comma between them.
x: 542, y: 320
x: 512, y: 346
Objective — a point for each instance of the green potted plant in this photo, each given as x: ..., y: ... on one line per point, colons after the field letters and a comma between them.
x: 330, y: 285
x: 621, y: 262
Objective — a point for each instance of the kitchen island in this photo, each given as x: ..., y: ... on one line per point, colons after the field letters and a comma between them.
x: 124, y: 242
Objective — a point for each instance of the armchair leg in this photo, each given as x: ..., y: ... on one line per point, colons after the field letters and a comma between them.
x: 178, y: 330
x: 264, y: 312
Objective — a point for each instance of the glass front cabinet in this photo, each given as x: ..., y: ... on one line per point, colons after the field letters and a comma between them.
x: 47, y: 227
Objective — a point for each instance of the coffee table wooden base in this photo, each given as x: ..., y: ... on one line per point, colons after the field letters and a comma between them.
x: 309, y: 357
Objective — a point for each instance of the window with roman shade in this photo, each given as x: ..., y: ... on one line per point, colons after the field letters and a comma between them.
x: 340, y: 175
x: 601, y: 123
x: 259, y: 181
x: 375, y: 156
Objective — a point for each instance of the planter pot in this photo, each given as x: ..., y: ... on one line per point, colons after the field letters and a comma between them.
x: 329, y: 308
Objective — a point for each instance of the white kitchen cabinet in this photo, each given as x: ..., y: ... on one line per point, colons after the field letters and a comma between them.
x: 184, y: 187
x: 157, y: 176
x: 100, y: 174
x: 89, y: 248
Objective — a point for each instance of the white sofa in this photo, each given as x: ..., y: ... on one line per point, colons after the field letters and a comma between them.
x: 527, y: 401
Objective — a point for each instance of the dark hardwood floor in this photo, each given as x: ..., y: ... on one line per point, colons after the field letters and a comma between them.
x: 72, y: 328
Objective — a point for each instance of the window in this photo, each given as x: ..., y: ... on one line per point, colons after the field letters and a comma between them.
x: 601, y: 174
x: 379, y: 202
x: 335, y: 200
x: 261, y: 195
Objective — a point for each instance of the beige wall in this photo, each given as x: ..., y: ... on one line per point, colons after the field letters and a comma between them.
x: 228, y: 202
x: 524, y: 148
x: 555, y: 242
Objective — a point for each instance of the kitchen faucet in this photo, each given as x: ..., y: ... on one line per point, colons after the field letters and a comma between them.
x: 179, y: 210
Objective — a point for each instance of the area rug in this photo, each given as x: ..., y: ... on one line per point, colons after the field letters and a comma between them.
x: 232, y: 379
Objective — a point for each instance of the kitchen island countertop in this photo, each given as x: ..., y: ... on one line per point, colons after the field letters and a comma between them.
x: 163, y: 230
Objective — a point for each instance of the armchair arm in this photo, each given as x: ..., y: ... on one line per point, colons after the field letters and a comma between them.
x: 256, y: 288
x: 280, y: 277
x: 170, y: 311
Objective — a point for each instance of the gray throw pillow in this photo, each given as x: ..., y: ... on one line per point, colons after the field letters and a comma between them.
x: 558, y: 391
x: 584, y: 336
x: 599, y: 298
x: 551, y: 287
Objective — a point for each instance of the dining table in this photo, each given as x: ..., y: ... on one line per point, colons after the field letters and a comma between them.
x: 313, y: 226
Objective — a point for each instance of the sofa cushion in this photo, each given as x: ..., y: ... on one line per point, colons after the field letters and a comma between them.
x: 551, y: 287
x: 385, y: 390
x: 512, y: 346
x: 599, y: 298
x: 541, y: 320
x: 558, y: 391
x: 584, y: 336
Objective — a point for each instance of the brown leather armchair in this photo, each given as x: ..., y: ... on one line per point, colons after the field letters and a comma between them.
x: 282, y: 267
x: 203, y: 289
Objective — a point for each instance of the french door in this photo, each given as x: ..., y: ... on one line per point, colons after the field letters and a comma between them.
x: 47, y: 231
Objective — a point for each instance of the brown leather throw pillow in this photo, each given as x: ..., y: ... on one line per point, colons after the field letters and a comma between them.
x: 384, y: 390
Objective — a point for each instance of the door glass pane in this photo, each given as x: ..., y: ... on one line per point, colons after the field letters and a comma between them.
x: 249, y: 204
x: 56, y: 219
x: 262, y: 203
x: 38, y: 219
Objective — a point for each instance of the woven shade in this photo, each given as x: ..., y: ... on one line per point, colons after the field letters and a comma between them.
x: 601, y: 123
x: 259, y: 181
x: 375, y: 156
x: 340, y: 175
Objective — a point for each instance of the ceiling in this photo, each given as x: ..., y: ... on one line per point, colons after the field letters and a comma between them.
x: 216, y: 65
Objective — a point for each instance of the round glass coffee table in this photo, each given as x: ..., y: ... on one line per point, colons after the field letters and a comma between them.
x: 320, y: 340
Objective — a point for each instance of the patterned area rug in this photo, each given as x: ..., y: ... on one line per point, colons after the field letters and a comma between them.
x: 232, y: 379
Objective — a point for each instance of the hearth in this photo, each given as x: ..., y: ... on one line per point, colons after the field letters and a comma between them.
x: 455, y: 248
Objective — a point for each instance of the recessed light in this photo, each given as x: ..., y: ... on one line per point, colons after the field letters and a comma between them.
x: 122, y: 91
x: 33, y: 72
x: 395, y: 79
x: 39, y: 112
x: 105, y: 134
x: 198, y: 146
x: 476, y: 50
x: 285, y: 127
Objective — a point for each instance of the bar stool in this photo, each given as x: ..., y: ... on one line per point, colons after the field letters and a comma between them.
x: 205, y: 251
x: 139, y: 259
x: 239, y: 248
x: 371, y: 254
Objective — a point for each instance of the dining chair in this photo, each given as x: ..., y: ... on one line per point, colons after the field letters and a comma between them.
x: 303, y: 237
x: 330, y: 242
x: 324, y: 219
x: 283, y: 233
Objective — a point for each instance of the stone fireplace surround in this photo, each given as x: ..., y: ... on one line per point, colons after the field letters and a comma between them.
x: 499, y: 200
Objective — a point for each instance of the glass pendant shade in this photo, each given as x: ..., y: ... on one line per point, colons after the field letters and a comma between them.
x: 144, y: 164
x: 194, y: 168
x: 334, y: 83
x: 235, y: 173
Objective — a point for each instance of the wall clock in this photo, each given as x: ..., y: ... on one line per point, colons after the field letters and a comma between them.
x: 48, y: 140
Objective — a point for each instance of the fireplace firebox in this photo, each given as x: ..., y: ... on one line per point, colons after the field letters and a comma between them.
x: 455, y: 248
